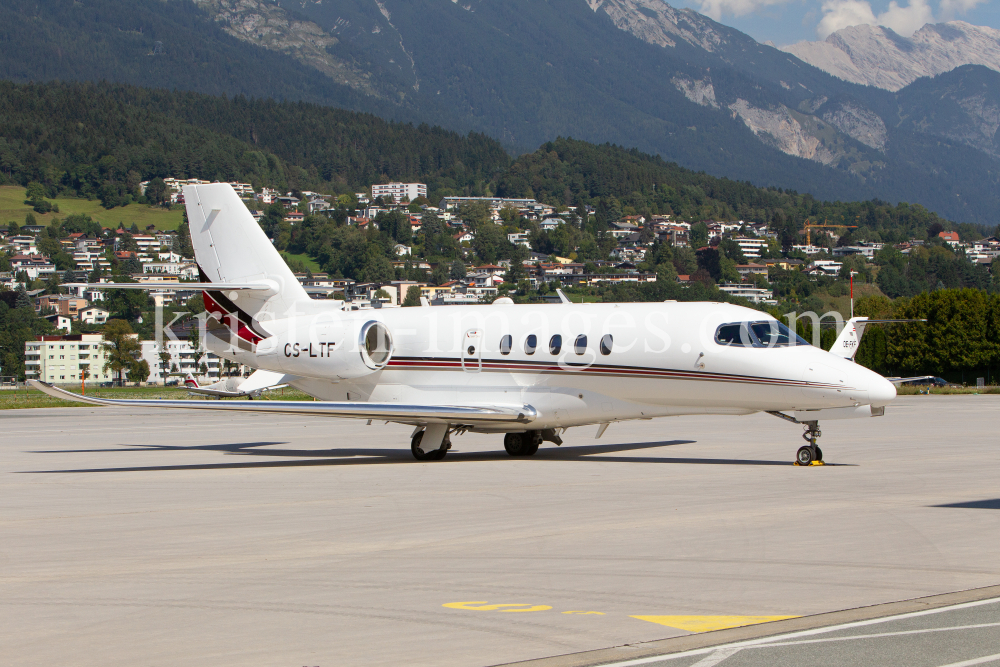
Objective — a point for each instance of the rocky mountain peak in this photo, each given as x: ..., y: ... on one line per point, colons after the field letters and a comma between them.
x: 877, y: 56
x: 656, y: 22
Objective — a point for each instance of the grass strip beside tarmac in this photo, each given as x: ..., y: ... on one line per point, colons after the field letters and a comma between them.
x: 12, y: 399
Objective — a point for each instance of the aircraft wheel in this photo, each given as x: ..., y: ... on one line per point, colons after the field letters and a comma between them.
x: 819, y: 453
x: 530, y: 450
x: 516, y: 444
x: 806, y: 455
x: 421, y: 455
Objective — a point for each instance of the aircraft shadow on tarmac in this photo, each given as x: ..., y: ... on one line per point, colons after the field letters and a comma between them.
x: 989, y: 504
x: 398, y: 455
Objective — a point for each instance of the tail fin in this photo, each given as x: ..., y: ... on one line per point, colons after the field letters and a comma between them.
x: 230, y: 247
x: 189, y: 381
x: 847, y: 342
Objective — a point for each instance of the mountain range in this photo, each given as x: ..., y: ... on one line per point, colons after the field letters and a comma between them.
x: 638, y: 73
x: 874, y: 55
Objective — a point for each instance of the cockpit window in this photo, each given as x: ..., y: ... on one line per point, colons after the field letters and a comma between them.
x: 769, y: 333
x: 735, y: 335
x: 775, y: 334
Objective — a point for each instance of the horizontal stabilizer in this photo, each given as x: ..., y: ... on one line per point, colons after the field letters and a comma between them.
x: 256, y: 287
x: 408, y: 414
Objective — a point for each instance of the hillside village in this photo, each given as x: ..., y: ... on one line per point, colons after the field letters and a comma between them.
x: 747, y: 256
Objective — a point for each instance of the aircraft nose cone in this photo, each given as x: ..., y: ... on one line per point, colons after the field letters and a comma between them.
x: 881, y: 391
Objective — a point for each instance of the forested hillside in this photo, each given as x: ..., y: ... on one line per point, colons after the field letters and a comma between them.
x: 152, y: 43
x: 101, y: 140
x: 616, y: 180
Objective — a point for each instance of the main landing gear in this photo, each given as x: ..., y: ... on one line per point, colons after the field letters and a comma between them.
x: 527, y: 442
x: 432, y: 442
x: 426, y: 449
x: 810, y: 454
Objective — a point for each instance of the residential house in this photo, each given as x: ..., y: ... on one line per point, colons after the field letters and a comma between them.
x: 35, y: 266
x: 94, y: 315
x: 63, y: 304
x: 747, y: 271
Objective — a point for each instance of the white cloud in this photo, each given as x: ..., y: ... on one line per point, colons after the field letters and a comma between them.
x: 904, y: 21
x: 838, y: 14
x: 952, y: 8
x: 716, y: 8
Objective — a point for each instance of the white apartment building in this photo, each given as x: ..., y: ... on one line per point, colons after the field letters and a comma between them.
x: 808, y: 249
x: 24, y: 245
x: 519, y: 238
x: 182, y: 360
x: 62, y: 359
x: 244, y: 190
x: 400, y: 191
x: 495, y: 203
x: 187, y: 270
x: 754, y: 294
x: 751, y: 247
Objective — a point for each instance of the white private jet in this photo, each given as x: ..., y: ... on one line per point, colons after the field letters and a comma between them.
x: 528, y: 372
x: 251, y: 387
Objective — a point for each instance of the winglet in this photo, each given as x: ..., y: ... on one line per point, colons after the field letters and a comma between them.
x: 62, y: 394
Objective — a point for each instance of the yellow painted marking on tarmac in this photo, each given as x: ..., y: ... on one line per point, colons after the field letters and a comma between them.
x: 709, y: 623
x: 584, y: 613
x: 483, y: 605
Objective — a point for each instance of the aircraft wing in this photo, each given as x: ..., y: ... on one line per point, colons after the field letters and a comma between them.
x: 409, y: 414
x: 912, y: 379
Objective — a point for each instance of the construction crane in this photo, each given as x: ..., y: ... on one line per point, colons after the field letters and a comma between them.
x: 810, y: 227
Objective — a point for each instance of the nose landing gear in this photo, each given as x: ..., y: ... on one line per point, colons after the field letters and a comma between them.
x: 810, y: 454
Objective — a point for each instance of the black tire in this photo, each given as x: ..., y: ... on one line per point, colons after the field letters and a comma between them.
x: 819, y: 453
x: 515, y: 443
x: 420, y: 454
x: 530, y: 448
x: 805, y: 455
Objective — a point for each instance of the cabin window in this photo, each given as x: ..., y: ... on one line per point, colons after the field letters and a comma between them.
x: 607, y: 342
x: 530, y: 343
x: 505, y: 344
x: 555, y: 344
x: 580, y: 344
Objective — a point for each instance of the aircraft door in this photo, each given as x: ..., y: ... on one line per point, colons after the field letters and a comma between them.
x: 472, y: 351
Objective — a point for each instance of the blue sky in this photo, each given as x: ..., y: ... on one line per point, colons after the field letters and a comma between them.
x: 788, y: 21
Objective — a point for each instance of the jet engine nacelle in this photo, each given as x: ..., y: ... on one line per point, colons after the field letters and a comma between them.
x: 328, y: 349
